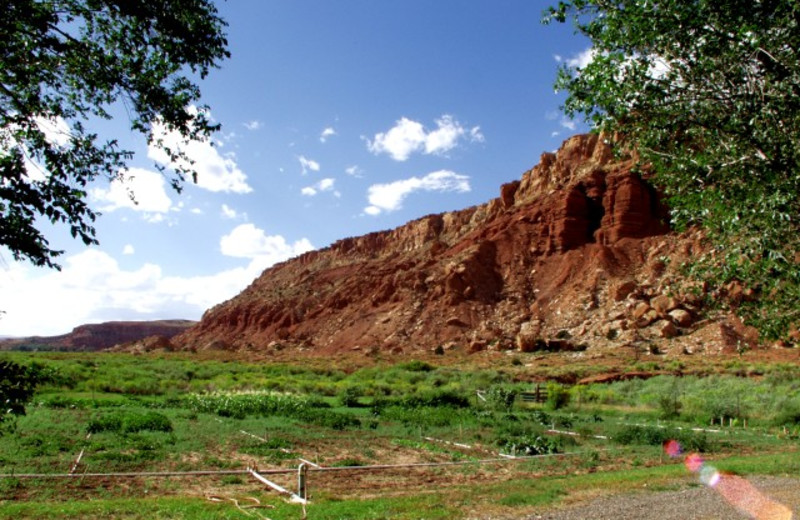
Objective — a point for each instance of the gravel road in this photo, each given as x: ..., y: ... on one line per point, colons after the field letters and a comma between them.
x: 690, y: 503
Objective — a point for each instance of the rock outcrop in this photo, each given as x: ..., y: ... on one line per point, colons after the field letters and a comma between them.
x: 571, y: 255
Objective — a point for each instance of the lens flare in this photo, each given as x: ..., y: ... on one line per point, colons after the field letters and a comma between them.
x: 739, y: 492
x: 673, y: 448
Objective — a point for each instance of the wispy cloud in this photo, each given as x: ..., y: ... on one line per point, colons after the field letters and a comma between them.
x: 253, y: 125
x: 323, y: 185
x: 307, y: 165
x: 390, y: 197
x: 328, y: 132
x: 408, y: 137
x: 569, y: 124
x: 353, y: 171
x: 230, y: 213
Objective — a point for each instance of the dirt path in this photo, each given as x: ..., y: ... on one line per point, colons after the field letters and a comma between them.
x: 690, y: 503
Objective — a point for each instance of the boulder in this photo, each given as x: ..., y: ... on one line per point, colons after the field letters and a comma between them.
x: 476, y: 345
x: 663, y: 304
x: 640, y: 310
x: 648, y: 318
x: 528, y: 336
x: 681, y: 317
x: 624, y: 289
x: 666, y: 329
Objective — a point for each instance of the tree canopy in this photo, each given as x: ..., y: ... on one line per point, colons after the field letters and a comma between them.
x: 17, y: 386
x: 708, y: 93
x: 66, y: 63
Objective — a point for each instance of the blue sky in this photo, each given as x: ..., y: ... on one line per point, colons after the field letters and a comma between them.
x: 338, y: 118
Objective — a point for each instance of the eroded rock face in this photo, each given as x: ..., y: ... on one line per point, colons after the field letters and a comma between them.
x: 566, y: 247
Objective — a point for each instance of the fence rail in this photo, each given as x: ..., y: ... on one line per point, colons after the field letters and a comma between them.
x: 538, y: 395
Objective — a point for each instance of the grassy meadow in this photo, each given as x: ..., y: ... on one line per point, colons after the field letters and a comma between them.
x: 452, y: 428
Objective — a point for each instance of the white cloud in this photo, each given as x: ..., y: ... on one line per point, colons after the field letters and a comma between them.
x: 475, y: 135
x: 353, y: 171
x: 328, y: 132
x: 253, y: 125
x: 137, y: 189
x: 228, y: 212
x: 323, y: 185
x: 405, y: 138
x: 55, y: 130
x: 408, y: 137
x: 92, y: 287
x: 390, y: 197
x: 128, y: 250
x: 248, y: 241
x: 307, y: 165
x: 580, y: 60
x: 568, y: 124
x: 215, y: 172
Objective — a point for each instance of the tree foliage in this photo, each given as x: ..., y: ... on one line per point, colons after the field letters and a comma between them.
x: 708, y: 93
x: 17, y: 385
x: 68, y: 63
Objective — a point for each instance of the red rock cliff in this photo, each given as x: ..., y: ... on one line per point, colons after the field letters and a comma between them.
x: 568, y: 250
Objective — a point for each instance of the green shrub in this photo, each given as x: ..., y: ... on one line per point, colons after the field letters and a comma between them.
x: 557, y: 396
x: 130, y: 422
x: 427, y: 399
x: 530, y: 444
x: 501, y: 398
x: 349, y: 396
x: 654, y: 436
x: 327, y: 419
x: 788, y: 414
x: 417, y: 366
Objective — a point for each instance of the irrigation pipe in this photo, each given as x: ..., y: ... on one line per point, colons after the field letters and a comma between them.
x: 280, y: 489
x: 146, y: 474
x: 377, y: 467
x: 444, y: 464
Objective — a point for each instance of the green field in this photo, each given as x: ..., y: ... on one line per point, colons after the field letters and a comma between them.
x: 440, y: 434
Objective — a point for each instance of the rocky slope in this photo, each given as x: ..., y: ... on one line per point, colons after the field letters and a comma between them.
x: 574, y: 256
x: 100, y: 336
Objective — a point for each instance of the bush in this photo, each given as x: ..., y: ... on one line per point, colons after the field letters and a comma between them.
x: 433, y: 399
x: 788, y: 414
x: 530, y: 445
x: 327, y: 419
x: 557, y: 396
x: 501, y: 398
x: 349, y: 397
x: 130, y: 422
x: 417, y: 366
x: 654, y: 436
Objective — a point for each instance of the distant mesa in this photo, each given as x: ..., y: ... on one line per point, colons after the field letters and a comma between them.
x: 100, y: 336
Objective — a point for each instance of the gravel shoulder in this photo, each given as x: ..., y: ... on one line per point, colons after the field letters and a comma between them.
x: 689, y: 503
